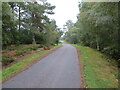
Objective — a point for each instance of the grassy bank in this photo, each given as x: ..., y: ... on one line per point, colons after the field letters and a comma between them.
x: 13, y: 52
x: 98, y: 71
x: 12, y: 70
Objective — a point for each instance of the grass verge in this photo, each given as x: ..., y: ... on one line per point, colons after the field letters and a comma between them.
x: 13, y: 52
x: 20, y: 66
x: 98, y: 71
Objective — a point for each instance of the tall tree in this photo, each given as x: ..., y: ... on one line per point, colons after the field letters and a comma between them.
x: 97, y: 27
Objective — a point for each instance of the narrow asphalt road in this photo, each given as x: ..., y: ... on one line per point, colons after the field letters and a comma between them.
x: 58, y: 70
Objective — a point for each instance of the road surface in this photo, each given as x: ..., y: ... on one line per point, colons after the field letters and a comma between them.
x: 58, y: 70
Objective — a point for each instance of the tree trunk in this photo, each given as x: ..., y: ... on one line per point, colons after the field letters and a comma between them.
x: 19, y: 18
x: 33, y: 42
x: 97, y: 43
x: 98, y: 47
x: 33, y: 37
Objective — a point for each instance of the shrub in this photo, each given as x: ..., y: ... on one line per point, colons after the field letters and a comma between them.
x: 19, y: 53
x: 27, y: 51
x: 53, y: 44
x: 40, y: 46
x: 6, y: 60
x: 11, y: 48
x: 112, y: 51
x: 34, y: 48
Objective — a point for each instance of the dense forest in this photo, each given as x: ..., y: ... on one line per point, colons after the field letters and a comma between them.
x: 28, y: 23
x: 97, y: 27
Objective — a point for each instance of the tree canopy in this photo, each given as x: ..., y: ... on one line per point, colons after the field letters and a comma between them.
x: 96, y: 27
x: 27, y: 23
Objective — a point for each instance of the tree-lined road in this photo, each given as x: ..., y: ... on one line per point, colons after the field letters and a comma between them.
x: 58, y: 70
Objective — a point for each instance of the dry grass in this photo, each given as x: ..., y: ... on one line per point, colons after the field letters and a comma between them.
x: 23, y: 64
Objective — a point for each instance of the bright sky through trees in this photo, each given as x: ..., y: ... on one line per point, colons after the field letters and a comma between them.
x: 65, y: 10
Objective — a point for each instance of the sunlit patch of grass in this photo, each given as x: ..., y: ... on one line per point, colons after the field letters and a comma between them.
x: 99, y: 72
x: 24, y: 63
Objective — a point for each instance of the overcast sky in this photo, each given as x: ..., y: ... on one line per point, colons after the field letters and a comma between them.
x: 65, y: 10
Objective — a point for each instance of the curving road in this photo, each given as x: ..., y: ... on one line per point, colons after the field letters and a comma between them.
x: 58, y: 70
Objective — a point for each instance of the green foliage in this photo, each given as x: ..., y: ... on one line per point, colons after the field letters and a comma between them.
x: 11, y: 53
x: 33, y: 48
x: 20, y: 53
x: 96, y: 27
x: 11, y: 48
x: 6, y: 60
x: 112, y: 51
x: 28, y: 50
x: 27, y: 22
